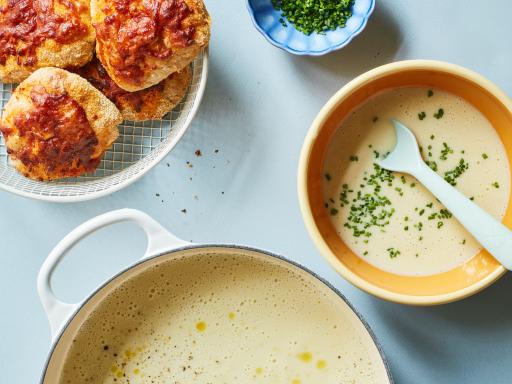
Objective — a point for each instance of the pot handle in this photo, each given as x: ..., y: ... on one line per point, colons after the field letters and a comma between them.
x: 58, y: 312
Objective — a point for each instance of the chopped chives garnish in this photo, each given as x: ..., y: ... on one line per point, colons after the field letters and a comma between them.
x: 445, y: 152
x: 452, y: 175
x: 393, y: 252
x: 432, y: 164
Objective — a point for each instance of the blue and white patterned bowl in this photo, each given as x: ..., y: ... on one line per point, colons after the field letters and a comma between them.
x: 266, y: 19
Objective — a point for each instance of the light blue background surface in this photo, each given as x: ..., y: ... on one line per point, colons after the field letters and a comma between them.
x: 258, y: 106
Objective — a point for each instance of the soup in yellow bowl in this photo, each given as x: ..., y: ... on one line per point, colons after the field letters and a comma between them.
x: 382, y: 230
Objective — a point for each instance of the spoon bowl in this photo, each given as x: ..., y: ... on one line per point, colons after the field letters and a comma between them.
x: 406, y: 156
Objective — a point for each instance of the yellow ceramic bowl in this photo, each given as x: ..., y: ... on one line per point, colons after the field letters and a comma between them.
x: 465, y: 280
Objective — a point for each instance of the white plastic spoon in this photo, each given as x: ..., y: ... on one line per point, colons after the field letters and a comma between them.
x: 491, y: 234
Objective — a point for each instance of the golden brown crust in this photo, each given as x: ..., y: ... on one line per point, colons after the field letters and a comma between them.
x: 43, y: 33
x: 150, y: 103
x: 141, y: 42
x: 156, y: 101
x: 58, y: 125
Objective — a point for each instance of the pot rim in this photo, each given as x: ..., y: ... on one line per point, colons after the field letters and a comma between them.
x: 171, y: 250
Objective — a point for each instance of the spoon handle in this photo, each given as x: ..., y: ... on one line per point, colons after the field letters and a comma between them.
x: 490, y: 233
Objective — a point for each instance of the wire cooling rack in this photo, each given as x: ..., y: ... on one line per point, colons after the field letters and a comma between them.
x: 140, y: 146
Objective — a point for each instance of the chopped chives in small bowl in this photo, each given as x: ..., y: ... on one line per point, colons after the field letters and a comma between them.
x: 310, y: 27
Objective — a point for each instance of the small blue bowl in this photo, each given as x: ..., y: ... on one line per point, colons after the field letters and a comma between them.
x: 266, y: 20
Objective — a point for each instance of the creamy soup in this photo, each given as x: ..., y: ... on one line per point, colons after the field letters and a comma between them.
x: 222, y: 319
x: 389, y: 219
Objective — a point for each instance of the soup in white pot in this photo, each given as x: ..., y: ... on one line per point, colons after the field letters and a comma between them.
x: 216, y: 318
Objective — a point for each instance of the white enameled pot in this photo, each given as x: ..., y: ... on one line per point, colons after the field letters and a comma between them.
x: 65, y: 319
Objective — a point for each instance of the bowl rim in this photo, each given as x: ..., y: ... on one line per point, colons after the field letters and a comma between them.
x: 331, y: 48
x: 305, y: 155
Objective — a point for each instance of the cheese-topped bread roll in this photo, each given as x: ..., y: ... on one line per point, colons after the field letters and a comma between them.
x: 58, y: 125
x: 43, y: 33
x: 150, y: 103
x: 141, y: 42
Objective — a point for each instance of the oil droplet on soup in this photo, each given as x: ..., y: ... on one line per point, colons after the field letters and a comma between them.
x: 201, y: 326
x: 305, y: 357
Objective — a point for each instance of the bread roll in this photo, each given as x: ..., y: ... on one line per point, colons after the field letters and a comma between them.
x: 58, y: 125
